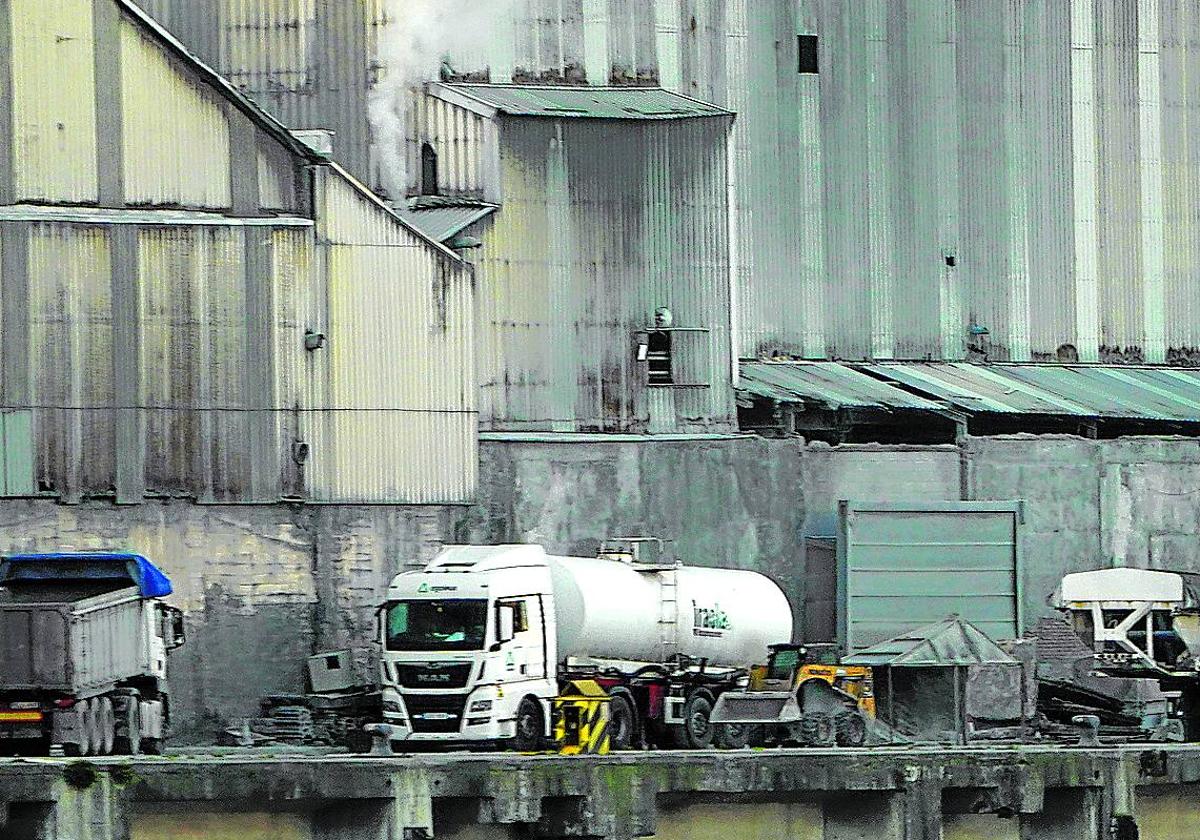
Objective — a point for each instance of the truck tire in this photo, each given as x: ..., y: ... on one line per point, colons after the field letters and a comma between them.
x: 91, y: 726
x: 530, y: 725
x: 697, y: 731
x: 623, y: 730
x: 106, y: 725
x: 129, y: 736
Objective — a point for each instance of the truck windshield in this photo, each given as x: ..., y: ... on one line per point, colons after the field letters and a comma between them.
x: 436, y: 625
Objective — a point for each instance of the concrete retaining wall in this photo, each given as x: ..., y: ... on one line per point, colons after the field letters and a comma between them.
x: 1043, y: 793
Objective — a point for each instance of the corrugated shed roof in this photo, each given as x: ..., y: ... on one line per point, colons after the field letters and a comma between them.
x: 831, y: 384
x: 1100, y: 391
x: 1089, y: 391
x: 445, y: 222
x: 951, y: 641
x: 606, y: 103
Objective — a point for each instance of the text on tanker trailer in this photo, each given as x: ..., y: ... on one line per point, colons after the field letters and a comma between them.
x: 83, y: 653
x: 478, y: 643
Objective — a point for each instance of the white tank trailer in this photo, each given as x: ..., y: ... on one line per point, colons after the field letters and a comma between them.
x: 477, y: 644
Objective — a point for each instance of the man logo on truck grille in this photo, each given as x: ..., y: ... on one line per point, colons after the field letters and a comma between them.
x: 709, y: 621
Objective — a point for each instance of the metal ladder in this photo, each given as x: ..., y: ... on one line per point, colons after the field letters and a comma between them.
x: 669, y: 614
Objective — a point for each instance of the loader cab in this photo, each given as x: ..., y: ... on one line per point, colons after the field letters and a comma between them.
x: 785, y: 662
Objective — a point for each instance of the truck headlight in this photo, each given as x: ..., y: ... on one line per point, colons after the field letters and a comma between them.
x: 481, y: 706
x: 391, y: 706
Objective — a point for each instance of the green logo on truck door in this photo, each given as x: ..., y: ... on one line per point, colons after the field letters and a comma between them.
x: 709, y: 621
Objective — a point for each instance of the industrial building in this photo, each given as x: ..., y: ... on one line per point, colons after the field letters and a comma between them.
x: 198, y: 305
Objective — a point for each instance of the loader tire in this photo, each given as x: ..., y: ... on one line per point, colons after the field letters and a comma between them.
x: 733, y: 736
x: 818, y: 730
x: 851, y: 729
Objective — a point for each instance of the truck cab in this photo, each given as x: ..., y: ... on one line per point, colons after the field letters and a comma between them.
x: 468, y: 648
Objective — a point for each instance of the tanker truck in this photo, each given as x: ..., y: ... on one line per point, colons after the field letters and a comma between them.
x: 83, y: 653
x: 476, y: 646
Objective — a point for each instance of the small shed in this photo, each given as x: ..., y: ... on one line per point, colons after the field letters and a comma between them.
x: 947, y: 682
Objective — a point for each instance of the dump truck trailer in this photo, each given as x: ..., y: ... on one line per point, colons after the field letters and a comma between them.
x: 479, y: 644
x: 83, y: 653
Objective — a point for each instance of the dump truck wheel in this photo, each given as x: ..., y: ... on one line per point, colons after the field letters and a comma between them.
x: 91, y: 716
x: 697, y: 731
x: 851, y: 729
x: 106, y: 721
x: 530, y: 726
x: 622, y: 720
x: 129, y: 737
x: 733, y: 736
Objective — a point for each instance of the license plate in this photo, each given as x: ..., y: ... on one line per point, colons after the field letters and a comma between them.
x: 21, y: 717
x: 436, y: 716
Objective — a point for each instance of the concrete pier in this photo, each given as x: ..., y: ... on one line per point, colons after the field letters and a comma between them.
x: 1020, y: 792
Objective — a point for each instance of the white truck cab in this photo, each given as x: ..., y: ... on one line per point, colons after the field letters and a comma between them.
x: 466, y: 641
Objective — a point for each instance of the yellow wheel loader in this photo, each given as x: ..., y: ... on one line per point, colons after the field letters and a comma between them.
x: 802, y: 696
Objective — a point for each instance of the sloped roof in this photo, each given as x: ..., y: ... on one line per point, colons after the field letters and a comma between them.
x: 444, y: 221
x: 576, y: 102
x: 951, y: 641
x: 829, y: 384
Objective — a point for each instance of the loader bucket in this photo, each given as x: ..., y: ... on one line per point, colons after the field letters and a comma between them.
x: 754, y: 707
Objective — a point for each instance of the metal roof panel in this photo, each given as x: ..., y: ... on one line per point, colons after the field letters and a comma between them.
x: 831, y: 384
x: 613, y: 103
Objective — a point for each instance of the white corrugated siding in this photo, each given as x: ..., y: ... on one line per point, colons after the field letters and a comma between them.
x: 54, y: 113
x: 71, y: 356
x: 601, y: 224
x: 394, y: 412
x: 460, y: 139
x: 176, y: 137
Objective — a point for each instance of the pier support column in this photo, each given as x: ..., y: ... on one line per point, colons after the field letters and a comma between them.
x: 86, y: 809
x: 864, y: 816
x: 406, y: 816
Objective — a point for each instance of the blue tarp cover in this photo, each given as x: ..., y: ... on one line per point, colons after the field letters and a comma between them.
x: 87, y: 566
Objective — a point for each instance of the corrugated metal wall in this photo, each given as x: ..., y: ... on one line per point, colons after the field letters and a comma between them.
x: 399, y: 390
x: 159, y: 103
x: 54, y: 118
x: 602, y: 223
x: 463, y: 142
x: 311, y: 64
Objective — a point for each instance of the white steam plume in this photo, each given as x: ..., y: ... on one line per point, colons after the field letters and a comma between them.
x: 418, y: 37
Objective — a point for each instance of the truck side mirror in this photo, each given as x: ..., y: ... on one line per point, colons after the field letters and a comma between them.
x: 505, y: 623
x: 178, y: 632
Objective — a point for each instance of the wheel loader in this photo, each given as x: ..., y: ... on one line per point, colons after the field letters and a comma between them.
x: 803, y: 696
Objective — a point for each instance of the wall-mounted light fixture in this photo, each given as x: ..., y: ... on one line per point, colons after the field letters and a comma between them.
x: 313, y: 340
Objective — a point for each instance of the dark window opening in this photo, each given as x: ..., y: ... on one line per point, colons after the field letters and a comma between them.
x: 429, y: 178
x: 808, y: 54
x: 658, y: 359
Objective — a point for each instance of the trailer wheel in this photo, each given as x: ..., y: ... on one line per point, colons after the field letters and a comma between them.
x: 129, y: 735
x: 531, y: 726
x: 622, y: 720
x: 697, y: 731
x: 106, y: 721
x: 91, y: 717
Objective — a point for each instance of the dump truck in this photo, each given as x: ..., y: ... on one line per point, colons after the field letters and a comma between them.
x: 84, y: 640
x: 803, y: 696
x: 1142, y: 623
x: 478, y: 644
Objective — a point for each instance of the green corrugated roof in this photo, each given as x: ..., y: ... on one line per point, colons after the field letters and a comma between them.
x: 1097, y: 392
x: 1092, y: 391
x: 829, y: 384
x: 605, y: 103
x: 951, y: 641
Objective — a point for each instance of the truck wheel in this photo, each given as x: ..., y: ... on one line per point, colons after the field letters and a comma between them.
x: 733, y: 736
x: 129, y: 741
x: 106, y: 725
x: 851, y: 729
x: 622, y: 720
x: 531, y: 726
x: 697, y: 731
x: 91, y: 726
